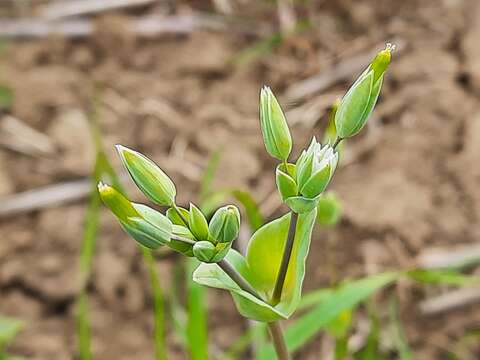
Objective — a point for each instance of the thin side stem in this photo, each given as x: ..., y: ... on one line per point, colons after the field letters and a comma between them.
x: 287, y: 253
x: 278, y: 340
x: 238, y: 278
x: 337, y: 141
x: 182, y: 239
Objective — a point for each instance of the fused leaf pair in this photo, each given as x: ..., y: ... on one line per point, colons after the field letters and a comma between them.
x: 260, y: 267
x: 301, y: 184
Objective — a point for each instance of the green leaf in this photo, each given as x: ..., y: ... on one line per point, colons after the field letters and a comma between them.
x: 448, y: 277
x: 345, y: 297
x: 301, y: 205
x: 248, y: 305
x: 265, y: 252
x: 9, y: 328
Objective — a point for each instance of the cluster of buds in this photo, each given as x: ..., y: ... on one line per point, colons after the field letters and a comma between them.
x: 186, y: 231
x: 301, y: 184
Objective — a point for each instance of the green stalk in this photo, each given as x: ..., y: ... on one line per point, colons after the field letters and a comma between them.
x: 278, y: 340
x: 287, y: 253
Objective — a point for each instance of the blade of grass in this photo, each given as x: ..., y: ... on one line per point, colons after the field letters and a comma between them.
x: 9, y: 328
x: 399, y: 337
x: 446, y: 277
x: 197, y: 335
x: 345, y: 297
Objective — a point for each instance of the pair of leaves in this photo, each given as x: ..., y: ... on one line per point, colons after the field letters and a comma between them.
x: 260, y: 268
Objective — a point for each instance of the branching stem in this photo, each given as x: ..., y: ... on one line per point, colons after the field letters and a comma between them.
x: 287, y: 253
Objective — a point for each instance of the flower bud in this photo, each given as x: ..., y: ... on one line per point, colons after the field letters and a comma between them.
x: 329, y: 209
x: 225, y: 224
x: 315, y: 168
x: 147, y: 226
x: 276, y: 134
x: 204, y: 251
x: 359, y: 101
x: 208, y: 252
x: 197, y: 223
x: 149, y: 178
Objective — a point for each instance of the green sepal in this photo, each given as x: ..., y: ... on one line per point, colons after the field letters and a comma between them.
x: 286, y: 185
x: 317, y: 183
x: 301, y: 205
x: 175, y: 218
x: 304, y: 168
x: 149, y: 178
x: 197, y: 223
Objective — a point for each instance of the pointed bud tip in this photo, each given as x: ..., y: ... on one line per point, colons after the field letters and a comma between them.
x: 102, y: 187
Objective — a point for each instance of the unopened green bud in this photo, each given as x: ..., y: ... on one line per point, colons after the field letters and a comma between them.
x: 121, y: 207
x: 276, y: 134
x: 147, y: 226
x: 204, y: 251
x: 225, y: 224
x: 315, y: 168
x: 149, y: 178
x: 197, y: 223
x: 358, y: 103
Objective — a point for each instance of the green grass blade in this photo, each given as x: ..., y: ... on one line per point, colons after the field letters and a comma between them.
x: 197, y: 335
x: 399, y: 337
x: 83, y: 328
x: 346, y: 297
x: 445, y: 277
x: 9, y: 328
x: 158, y: 306
x: 209, y: 175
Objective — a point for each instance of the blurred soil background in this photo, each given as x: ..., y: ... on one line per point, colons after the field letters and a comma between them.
x: 184, y: 89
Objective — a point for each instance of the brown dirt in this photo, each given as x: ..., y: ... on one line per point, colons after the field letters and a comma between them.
x: 415, y: 186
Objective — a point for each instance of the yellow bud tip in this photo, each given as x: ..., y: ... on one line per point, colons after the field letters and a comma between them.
x: 103, y: 188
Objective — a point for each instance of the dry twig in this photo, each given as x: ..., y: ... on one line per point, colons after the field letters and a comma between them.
x: 62, y: 9
x: 18, y: 136
x: 451, y: 300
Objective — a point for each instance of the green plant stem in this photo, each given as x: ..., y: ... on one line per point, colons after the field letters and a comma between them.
x: 182, y: 239
x: 278, y: 340
x: 238, y: 278
x: 287, y: 253
x: 337, y: 141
